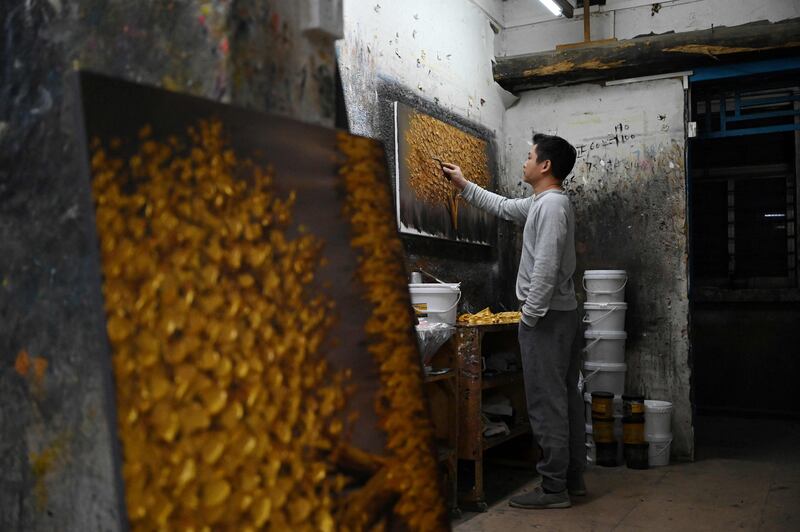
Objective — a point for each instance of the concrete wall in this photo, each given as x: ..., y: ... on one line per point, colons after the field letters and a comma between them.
x: 435, y: 56
x: 628, y: 189
x: 55, y: 440
x: 529, y: 27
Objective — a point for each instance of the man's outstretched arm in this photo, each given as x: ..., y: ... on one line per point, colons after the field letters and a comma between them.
x: 515, y: 210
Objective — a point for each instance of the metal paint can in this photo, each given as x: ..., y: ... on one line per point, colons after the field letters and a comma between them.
x: 602, y: 405
x: 633, y: 430
x: 633, y: 405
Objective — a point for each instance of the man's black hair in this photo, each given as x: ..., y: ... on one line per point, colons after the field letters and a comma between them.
x: 558, y: 151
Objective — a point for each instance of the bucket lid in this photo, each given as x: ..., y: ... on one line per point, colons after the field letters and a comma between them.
x: 587, y: 396
x: 657, y: 407
x: 604, y: 395
x: 604, y: 306
x: 658, y: 438
x: 605, y: 274
x: 607, y: 366
x: 606, y: 335
x: 434, y: 288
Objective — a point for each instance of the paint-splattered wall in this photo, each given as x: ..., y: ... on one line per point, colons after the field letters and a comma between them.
x: 276, y: 66
x: 55, y: 445
x: 629, y: 194
x: 436, y: 57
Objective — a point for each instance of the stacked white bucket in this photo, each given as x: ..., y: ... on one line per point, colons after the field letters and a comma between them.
x: 604, y: 367
x: 658, y: 431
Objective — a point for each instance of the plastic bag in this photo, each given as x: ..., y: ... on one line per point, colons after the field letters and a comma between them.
x: 431, y: 336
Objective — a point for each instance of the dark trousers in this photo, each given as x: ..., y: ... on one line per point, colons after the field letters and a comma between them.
x: 551, y: 359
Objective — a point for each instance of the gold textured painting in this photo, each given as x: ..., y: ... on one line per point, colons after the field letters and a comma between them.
x: 266, y: 375
x: 426, y: 203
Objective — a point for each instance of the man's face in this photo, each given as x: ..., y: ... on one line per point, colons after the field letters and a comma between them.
x: 532, y: 168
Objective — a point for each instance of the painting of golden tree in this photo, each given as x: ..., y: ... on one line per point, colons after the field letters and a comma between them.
x: 427, y: 203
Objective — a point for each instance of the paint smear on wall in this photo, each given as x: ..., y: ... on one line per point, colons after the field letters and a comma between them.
x: 45, y: 462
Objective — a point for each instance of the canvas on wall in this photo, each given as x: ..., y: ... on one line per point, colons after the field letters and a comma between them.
x: 427, y: 204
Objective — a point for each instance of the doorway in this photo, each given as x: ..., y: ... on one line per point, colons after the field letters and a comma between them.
x: 743, y: 187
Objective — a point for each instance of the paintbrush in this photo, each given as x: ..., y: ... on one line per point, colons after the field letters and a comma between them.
x: 441, y: 165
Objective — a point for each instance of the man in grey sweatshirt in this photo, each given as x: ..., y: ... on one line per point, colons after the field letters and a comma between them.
x: 548, y: 331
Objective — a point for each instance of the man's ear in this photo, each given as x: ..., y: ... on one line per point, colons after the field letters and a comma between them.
x: 546, y: 166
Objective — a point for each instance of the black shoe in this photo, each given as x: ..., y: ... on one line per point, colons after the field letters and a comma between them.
x: 539, y: 500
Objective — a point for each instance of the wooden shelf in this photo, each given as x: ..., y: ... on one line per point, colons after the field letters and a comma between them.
x: 471, y: 344
x: 522, y: 428
x: 501, y: 379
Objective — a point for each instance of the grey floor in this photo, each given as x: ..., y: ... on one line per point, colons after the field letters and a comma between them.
x: 746, y: 477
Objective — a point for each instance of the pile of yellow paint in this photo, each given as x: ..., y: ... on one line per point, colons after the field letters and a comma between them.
x: 487, y: 317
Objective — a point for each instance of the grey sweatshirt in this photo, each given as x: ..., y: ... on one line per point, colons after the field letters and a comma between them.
x: 544, y: 279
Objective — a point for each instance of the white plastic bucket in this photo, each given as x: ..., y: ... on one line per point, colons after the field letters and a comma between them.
x: 439, y: 300
x: 587, y: 400
x: 659, y: 449
x: 605, y: 286
x: 604, y: 377
x: 605, y: 316
x: 605, y: 346
x: 657, y: 417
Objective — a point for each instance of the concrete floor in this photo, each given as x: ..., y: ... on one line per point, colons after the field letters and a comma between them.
x: 746, y: 477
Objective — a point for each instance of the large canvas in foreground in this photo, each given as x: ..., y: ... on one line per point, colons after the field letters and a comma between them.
x: 426, y: 202
x: 266, y: 375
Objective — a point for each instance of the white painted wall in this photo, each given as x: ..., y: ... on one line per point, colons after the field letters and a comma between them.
x: 494, y: 9
x: 587, y: 115
x: 530, y: 28
x: 442, y: 50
